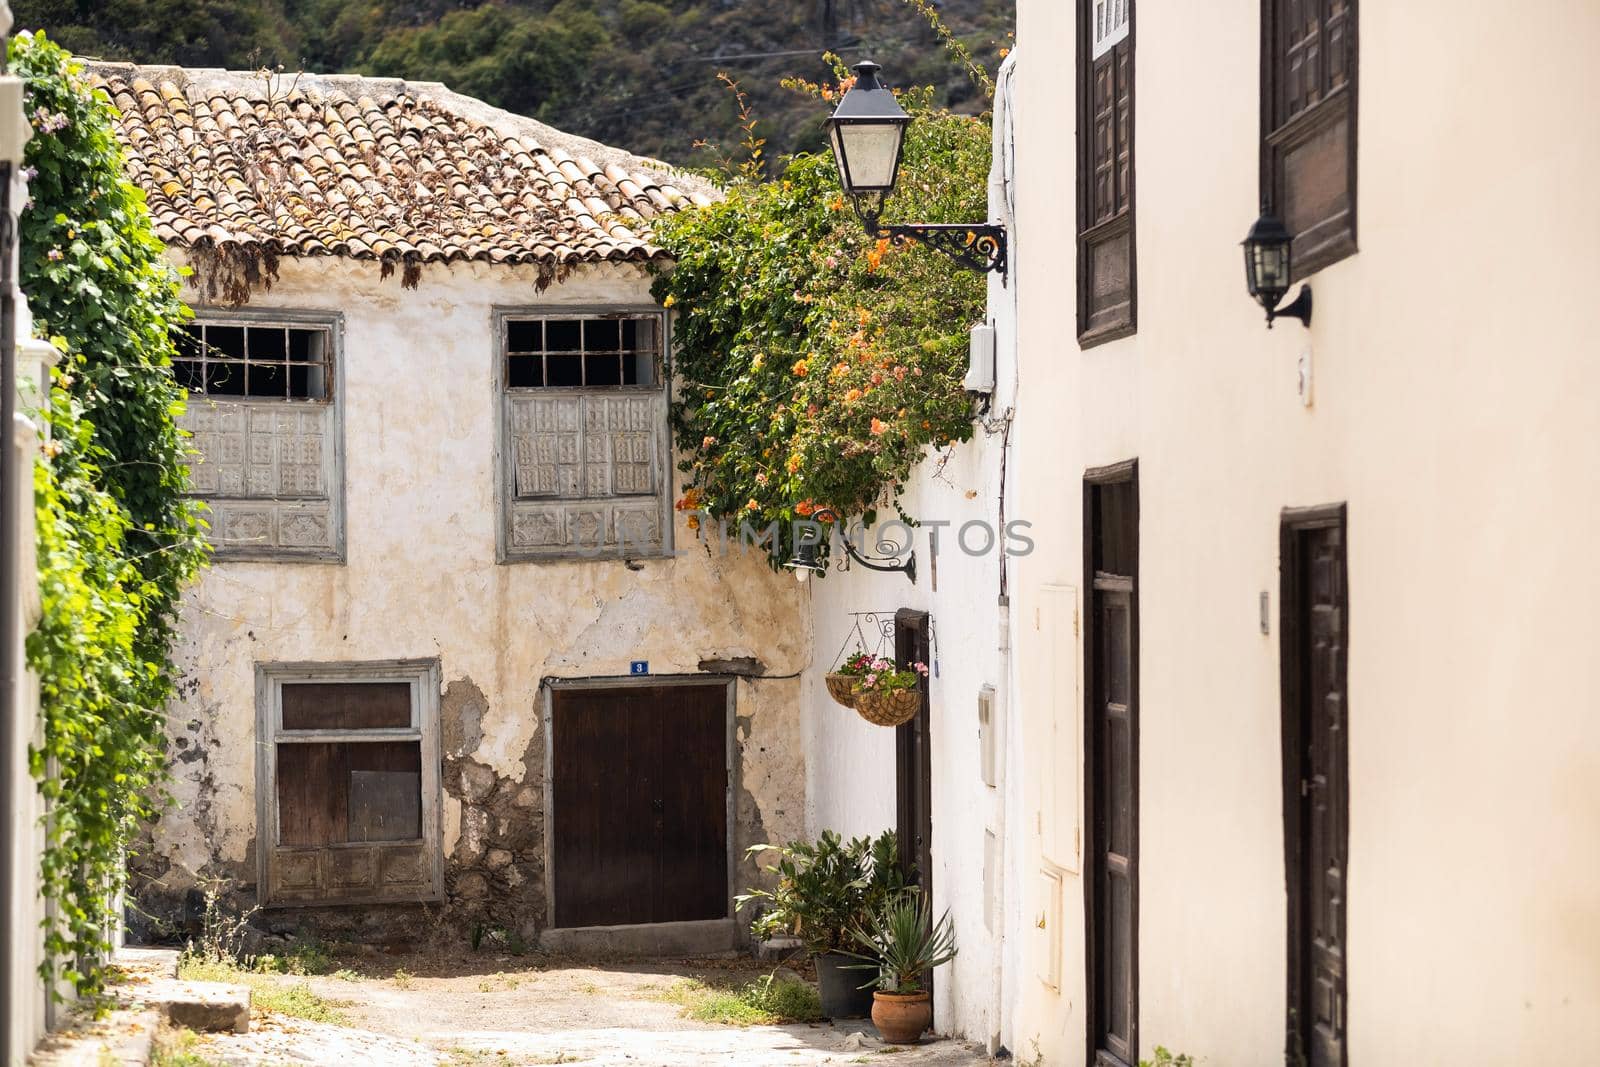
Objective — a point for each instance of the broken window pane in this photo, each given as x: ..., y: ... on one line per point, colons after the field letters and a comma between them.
x: 269, y: 362
x: 597, y: 351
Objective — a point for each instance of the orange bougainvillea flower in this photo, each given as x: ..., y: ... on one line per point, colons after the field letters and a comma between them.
x: 875, y: 256
x: 693, y: 521
x: 690, y: 501
x: 794, y: 463
x: 878, y: 426
x: 852, y: 396
x: 800, y: 368
x: 805, y: 507
x: 837, y: 204
x: 752, y: 506
x: 707, y: 441
x: 863, y: 316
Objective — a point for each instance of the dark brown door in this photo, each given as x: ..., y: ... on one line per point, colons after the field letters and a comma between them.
x: 1111, y: 556
x: 1316, y: 780
x: 914, y: 762
x: 639, y: 798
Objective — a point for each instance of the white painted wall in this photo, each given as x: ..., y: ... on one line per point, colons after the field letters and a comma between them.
x: 851, y: 763
x: 420, y: 396
x: 1455, y: 373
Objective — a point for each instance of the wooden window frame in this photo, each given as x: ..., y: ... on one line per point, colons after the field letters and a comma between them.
x: 424, y: 678
x: 333, y: 460
x: 506, y: 552
x: 1094, y: 236
x: 1278, y: 140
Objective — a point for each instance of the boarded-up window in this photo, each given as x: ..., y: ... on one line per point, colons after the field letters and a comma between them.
x: 1308, y: 126
x: 1107, y: 283
x: 264, y: 419
x: 585, y: 471
x: 350, y: 783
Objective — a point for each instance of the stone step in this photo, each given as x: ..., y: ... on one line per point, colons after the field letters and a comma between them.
x: 213, y: 1006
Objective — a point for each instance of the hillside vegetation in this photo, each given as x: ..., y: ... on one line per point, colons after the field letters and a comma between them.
x: 639, y: 74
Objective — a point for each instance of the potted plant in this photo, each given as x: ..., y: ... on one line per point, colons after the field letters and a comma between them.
x: 904, y: 945
x: 887, y: 696
x: 824, y: 889
x: 841, y: 682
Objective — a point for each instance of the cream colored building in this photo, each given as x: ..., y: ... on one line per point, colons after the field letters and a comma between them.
x: 1443, y: 398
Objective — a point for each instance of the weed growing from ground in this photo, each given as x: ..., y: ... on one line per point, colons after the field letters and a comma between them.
x: 763, y: 1002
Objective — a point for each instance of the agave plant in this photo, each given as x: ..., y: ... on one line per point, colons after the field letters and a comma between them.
x: 904, y: 941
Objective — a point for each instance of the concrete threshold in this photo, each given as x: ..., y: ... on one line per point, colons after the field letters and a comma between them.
x: 703, y: 937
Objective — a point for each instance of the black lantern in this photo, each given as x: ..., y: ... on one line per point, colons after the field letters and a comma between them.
x: 868, y: 132
x: 1266, y: 270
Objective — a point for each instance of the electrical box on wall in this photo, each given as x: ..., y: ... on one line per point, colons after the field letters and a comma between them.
x: 980, y: 360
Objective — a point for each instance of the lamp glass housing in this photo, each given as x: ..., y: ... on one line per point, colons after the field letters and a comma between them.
x: 1266, y: 260
x: 867, y: 132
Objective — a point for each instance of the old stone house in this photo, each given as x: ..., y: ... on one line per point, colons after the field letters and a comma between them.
x: 452, y: 663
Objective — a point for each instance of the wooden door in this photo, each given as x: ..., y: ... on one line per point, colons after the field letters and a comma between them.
x: 1316, y: 780
x: 639, y: 802
x: 914, y: 763
x: 1111, y: 551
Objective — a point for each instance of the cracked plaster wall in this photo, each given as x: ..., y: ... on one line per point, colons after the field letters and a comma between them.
x: 421, y: 581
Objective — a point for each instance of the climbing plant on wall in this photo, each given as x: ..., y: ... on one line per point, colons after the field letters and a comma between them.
x: 815, y: 366
x: 117, y: 540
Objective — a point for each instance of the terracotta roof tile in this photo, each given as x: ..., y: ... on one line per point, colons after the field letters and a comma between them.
x: 377, y: 169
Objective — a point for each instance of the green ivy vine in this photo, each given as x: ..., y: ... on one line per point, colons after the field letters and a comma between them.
x: 117, y: 540
x: 815, y: 366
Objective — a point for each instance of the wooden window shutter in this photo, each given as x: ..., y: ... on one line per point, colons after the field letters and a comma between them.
x: 1106, y: 277
x: 1308, y: 120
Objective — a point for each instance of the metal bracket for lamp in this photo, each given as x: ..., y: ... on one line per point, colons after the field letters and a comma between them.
x: 1298, y: 308
x: 980, y: 247
x: 805, y: 562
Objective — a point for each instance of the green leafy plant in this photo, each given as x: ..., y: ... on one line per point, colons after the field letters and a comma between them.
x: 825, y: 887
x: 881, y: 676
x: 766, y: 1001
x: 903, y: 943
x: 817, y: 366
x: 1165, y: 1058
x: 117, y: 539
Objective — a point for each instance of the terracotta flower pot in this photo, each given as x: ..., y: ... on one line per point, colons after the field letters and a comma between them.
x: 902, y: 1017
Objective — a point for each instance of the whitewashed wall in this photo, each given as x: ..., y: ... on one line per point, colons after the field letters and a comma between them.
x: 851, y: 763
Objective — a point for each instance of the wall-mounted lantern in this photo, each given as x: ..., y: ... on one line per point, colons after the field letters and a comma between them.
x: 1266, y: 270
x: 868, y: 131
x: 805, y: 562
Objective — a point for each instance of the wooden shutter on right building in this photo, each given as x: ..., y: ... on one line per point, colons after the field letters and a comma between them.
x: 1106, y: 277
x: 1308, y: 126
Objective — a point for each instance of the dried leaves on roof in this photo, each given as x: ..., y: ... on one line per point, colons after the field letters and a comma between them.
x: 241, y: 170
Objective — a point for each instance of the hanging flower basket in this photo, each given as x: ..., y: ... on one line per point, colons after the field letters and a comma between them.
x: 894, y: 708
x: 841, y: 687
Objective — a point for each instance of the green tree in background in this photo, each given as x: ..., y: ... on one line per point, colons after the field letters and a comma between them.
x: 640, y: 74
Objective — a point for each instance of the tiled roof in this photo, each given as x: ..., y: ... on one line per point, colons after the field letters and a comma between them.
x: 244, y: 166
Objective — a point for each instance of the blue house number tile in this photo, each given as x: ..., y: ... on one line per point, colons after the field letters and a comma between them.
x: 639, y: 666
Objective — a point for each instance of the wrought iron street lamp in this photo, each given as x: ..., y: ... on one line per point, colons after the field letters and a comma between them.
x: 805, y: 562
x: 868, y: 131
x: 1266, y: 270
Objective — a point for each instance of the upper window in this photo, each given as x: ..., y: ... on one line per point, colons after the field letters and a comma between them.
x: 348, y: 783
x: 264, y: 419
x: 584, y: 471
x: 1107, y: 290
x: 1308, y: 115
x: 261, y: 361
